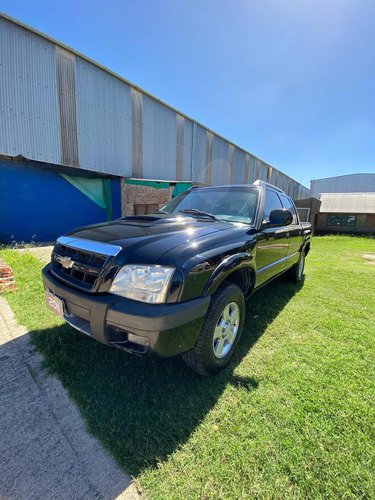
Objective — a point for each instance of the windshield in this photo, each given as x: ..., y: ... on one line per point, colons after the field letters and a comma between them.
x: 234, y: 204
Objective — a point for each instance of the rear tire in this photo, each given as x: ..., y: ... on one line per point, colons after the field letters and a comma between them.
x: 220, y: 333
x: 295, y: 273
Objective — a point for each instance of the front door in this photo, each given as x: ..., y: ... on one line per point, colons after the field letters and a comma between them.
x: 273, y: 243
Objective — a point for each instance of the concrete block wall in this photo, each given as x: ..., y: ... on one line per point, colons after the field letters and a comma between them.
x: 313, y: 204
x: 132, y: 194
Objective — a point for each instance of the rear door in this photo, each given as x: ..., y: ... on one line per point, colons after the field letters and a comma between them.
x: 295, y: 232
x: 273, y: 242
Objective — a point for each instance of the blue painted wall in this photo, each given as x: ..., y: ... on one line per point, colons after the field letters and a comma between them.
x: 38, y: 204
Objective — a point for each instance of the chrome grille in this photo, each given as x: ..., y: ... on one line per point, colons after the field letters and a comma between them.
x: 80, y: 262
x: 80, y: 255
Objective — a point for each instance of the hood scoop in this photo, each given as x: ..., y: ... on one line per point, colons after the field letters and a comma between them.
x: 148, y: 219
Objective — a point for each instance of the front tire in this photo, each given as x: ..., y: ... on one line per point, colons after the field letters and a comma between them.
x: 220, y: 333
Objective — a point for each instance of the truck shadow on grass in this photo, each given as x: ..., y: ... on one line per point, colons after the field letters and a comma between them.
x: 142, y: 409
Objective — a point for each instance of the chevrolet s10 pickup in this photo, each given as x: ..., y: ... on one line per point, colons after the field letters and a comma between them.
x: 176, y: 282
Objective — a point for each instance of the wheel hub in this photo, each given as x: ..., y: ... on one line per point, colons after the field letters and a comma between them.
x: 226, y: 330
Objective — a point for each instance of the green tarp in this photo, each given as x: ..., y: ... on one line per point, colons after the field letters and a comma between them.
x: 180, y: 188
x: 97, y: 190
x: 153, y: 184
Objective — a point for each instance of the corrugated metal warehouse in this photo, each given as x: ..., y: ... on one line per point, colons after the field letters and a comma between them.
x: 352, y: 183
x: 61, y: 110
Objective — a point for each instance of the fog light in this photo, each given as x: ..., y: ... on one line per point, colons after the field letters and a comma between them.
x: 136, y: 339
x: 116, y: 334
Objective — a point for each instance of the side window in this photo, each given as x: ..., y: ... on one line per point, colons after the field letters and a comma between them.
x: 272, y: 202
x: 288, y: 204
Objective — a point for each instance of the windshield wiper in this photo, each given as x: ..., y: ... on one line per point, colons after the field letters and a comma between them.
x: 194, y: 211
x: 162, y: 212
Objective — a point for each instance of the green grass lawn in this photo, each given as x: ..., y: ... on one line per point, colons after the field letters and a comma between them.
x: 292, y: 417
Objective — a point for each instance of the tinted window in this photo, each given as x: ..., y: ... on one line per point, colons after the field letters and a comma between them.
x: 234, y: 204
x: 272, y: 202
x: 289, y: 205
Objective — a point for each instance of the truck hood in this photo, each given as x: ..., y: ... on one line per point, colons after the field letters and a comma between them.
x: 146, y: 238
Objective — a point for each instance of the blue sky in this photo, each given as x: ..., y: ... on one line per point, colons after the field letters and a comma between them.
x: 291, y: 81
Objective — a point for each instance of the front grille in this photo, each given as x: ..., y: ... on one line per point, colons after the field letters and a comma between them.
x: 81, y: 255
x: 85, y: 267
x: 81, y: 262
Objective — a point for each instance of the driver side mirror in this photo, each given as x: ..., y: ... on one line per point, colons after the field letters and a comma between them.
x: 279, y: 217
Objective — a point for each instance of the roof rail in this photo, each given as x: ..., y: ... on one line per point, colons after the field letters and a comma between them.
x: 259, y: 182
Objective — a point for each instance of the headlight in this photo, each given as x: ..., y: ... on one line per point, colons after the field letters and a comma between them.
x: 143, y: 283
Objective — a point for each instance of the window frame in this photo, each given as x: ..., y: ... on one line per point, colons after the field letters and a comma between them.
x: 340, y: 224
x: 147, y: 210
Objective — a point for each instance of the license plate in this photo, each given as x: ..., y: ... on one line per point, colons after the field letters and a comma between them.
x: 55, y: 304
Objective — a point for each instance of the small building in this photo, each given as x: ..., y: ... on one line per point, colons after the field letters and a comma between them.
x: 344, y: 203
x: 346, y: 213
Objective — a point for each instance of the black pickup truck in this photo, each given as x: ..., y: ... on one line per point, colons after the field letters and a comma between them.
x: 176, y: 282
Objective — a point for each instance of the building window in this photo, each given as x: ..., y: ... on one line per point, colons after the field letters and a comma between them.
x: 348, y: 220
x: 334, y: 220
x: 145, y: 209
x: 370, y: 220
x: 341, y: 220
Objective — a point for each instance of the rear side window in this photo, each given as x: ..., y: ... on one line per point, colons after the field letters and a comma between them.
x: 272, y: 202
x: 289, y: 205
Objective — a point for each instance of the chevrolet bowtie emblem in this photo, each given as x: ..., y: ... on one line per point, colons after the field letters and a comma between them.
x: 66, y: 262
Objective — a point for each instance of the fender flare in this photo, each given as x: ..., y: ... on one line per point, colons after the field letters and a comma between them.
x: 226, y: 267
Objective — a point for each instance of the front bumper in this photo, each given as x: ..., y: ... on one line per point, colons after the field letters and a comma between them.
x: 163, y: 329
